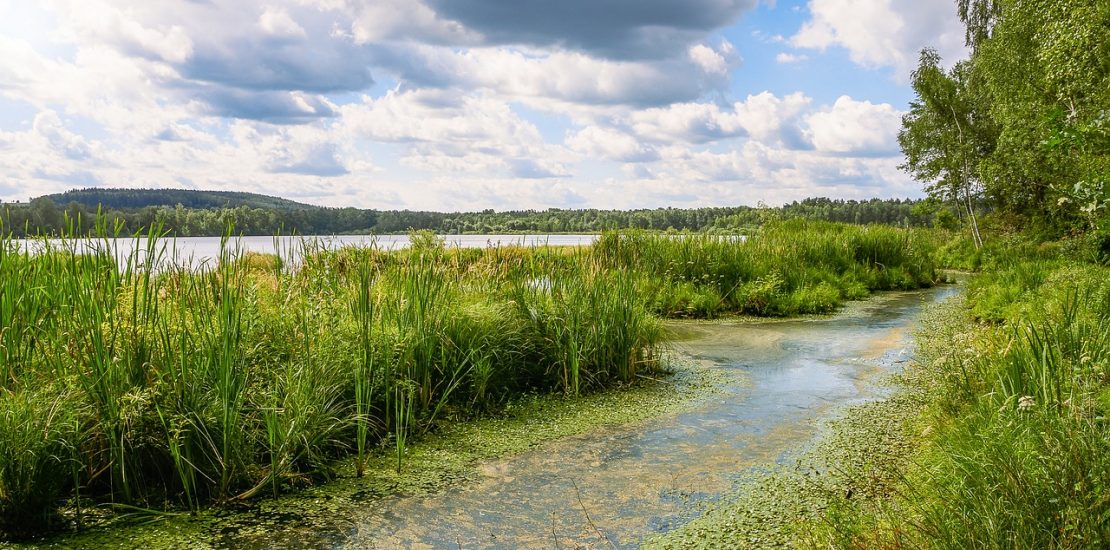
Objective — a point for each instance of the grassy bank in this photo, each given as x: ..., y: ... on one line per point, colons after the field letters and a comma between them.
x: 1017, y: 452
x: 131, y: 382
x: 451, y: 455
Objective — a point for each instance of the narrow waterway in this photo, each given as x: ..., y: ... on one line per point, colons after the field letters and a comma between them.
x: 616, y: 487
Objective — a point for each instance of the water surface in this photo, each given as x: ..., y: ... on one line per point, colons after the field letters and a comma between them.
x: 620, y: 485
x: 198, y: 250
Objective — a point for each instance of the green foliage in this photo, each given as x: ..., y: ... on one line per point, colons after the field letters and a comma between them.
x: 1018, y: 447
x: 142, y: 198
x: 786, y: 268
x: 38, y: 440
x: 185, y: 386
x: 1023, y: 126
x: 201, y: 213
x: 136, y: 381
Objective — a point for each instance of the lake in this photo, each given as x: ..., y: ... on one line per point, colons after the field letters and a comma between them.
x: 198, y: 250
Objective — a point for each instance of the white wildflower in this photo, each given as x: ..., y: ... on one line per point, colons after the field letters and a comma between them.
x: 1026, y: 402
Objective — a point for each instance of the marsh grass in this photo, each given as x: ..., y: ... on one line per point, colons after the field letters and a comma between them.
x: 146, y: 383
x: 786, y: 268
x: 1018, y: 453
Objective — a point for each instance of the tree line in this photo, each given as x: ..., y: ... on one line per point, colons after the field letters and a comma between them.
x: 42, y: 216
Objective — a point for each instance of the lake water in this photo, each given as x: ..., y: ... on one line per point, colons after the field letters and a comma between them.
x: 198, y: 250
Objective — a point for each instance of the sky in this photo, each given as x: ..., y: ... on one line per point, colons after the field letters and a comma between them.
x: 459, y: 105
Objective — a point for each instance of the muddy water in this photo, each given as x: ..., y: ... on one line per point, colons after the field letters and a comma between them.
x: 616, y: 487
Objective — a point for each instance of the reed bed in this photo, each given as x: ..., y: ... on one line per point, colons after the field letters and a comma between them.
x: 138, y: 382
x: 787, y: 268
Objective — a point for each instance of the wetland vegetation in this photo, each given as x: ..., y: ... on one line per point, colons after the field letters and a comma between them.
x: 143, y: 385
x: 135, y: 386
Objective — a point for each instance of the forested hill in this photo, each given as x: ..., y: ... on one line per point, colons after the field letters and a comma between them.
x: 142, y: 198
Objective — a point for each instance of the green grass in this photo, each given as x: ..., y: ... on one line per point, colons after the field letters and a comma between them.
x: 787, y: 268
x: 1018, y: 446
x: 130, y: 382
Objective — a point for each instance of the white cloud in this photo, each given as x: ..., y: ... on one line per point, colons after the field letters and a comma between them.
x: 99, y: 21
x: 785, y: 58
x: 856, y: 127
x: 713, y: 61
x: 883, y: 33
x: 553, y: 76
x: 597, y: 142
x: 446, y: 132
x: 277, y: 22
x: 384, y: 20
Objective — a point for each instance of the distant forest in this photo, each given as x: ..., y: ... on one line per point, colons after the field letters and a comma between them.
x: 208, y: 213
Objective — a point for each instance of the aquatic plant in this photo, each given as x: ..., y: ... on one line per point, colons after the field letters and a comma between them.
x: 186, y: 385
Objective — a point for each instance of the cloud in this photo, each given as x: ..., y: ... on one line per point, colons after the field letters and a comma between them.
x: 883, y: 33
x: 102, y: 22
x: 235, y: 59
x: 715, y: 61
x: 263, y: 62
x: 277, y: 22
x: 443, y: 131
x: 621, y: 29
x: 48, y: 125
x: 564, y: 77
x: 606, y: 143
x: 786, y: 58
x: 317, y: 159
x: 853, y: 127
x: 529, y: 168
x: 278, y: 107
x: 764, y: 117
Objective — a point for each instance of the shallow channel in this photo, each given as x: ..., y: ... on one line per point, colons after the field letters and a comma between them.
x: 616, y: 487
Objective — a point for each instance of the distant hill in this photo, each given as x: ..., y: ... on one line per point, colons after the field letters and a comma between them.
x: 141, y: 198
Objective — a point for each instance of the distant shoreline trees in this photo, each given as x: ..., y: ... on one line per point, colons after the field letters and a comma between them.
x: 43, y: 216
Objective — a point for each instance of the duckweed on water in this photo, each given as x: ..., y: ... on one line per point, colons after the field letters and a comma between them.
x: 858, y: 458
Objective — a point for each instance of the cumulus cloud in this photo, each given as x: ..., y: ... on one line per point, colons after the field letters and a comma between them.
x: 99, y: 21
x: 607, y: 143
x: 279, y: 107
x: 883, y: 33
x: 566, y: 77
x: 48, y: 125
x: 231, y: 56
x: 715, y: 61
x: 446, y: 104
x: 856, y: 127
x: 316, y: 159
x: 278, y: 22
x: 446, y: 132
x: 785, y: 58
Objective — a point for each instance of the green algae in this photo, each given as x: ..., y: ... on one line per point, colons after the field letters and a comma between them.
x: 447, y: 457
x: 857, y: 461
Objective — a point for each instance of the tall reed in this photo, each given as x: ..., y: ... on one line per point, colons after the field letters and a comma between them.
x: 191, y: 384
